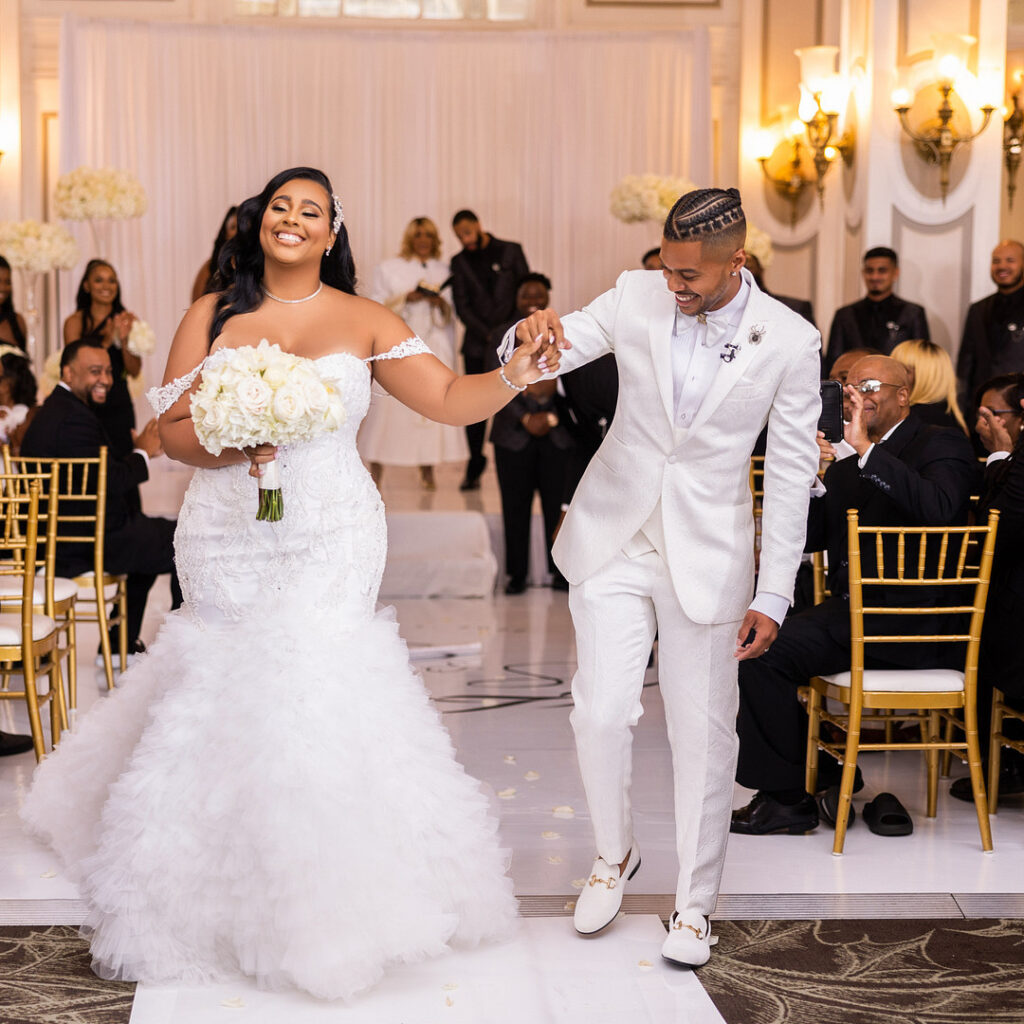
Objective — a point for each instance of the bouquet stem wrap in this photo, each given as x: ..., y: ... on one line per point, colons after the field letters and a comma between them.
x: 271, y: 508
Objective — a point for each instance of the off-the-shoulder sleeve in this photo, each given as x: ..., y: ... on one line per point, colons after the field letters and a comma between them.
x: 162, y: 398
x: 410, y: 347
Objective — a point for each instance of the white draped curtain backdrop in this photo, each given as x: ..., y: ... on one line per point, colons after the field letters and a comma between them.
x: 530, y: 129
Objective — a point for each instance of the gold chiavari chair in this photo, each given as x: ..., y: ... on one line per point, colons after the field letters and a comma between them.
x: 757, y: 497
x: 30, y: 637
x: 101, y: 597
x: 997, y: 740
x: 901, y: 556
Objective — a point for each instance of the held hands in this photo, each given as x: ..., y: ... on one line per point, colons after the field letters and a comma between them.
x: 257, y: 456
x: 764, y: 629
x: 992, y: 431
x: 533, y: 358
x: 544, y: 325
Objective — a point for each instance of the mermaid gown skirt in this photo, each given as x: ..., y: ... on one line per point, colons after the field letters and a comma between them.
x: 270, y: 791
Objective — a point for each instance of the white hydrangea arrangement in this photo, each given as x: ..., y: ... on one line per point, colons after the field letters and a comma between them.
x: 262, y: 395
x: 99, y: 193
x: 37, y: 247
x: 759, y: 244
x: 141, y: 340
x: 640, y: 197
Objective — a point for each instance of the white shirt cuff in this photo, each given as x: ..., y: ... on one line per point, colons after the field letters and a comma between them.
x: 144, y: 454
x: 867, y: 455
x: 774, y: 606
x: 818, y: 489
x: 996, y: 457
x: 508, y: 344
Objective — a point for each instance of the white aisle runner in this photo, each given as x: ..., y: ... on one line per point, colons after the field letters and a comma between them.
x: 546, y: 975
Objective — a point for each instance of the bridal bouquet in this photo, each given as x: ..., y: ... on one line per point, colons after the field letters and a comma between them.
x: 261, y: 395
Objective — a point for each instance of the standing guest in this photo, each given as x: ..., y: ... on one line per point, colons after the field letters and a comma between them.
x: 412, y: 284
x: 208, y: 279
x: 660, y: 536
x: 932, y: 383
x: 801, y: 306
x: 902, y: 472
x: 18, y: 392
x: 100, y: 315
x: 67, y: 427
x: 531, y: 453
x: 994, y: 329
x: 485, y: 275
x: 881, y: 319
x: 12, y: 325
x: 651, y: 260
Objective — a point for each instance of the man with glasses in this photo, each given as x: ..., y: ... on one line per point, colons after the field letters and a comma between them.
x: 902, y: 472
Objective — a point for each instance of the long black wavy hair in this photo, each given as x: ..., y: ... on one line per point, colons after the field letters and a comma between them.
x: 7, y: 314
x: 83, y: 300
x: 240, y: 264
x: 20, y: 379
x: 213, y: 282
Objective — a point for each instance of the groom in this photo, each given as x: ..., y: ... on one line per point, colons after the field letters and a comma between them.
x: 660, y: 535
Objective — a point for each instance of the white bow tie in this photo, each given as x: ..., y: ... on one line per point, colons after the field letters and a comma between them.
x: 714, y: 330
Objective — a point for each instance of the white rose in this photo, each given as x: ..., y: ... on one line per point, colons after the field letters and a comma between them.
x: 276, y: 373
x: 288, y: 405
x: 253, y: 395
x: 314, y: 393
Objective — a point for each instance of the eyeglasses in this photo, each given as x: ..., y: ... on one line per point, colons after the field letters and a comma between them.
x: 1005, y: 412
x: 872, y: 387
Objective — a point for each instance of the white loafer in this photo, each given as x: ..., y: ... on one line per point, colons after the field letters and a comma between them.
x: 599, y: 902
x: 689, y: 939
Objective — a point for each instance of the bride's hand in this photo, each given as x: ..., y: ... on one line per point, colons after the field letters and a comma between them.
x: 531, y: 361
x: 257, y: 456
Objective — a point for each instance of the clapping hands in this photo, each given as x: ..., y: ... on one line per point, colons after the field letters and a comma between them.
x: 992, y: 431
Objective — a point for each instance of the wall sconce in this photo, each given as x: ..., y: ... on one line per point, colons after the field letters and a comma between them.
x: 822, y: 94
x: 937, y: 141
x: 1013, y: 138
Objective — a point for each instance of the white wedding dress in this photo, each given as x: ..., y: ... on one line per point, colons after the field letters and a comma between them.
x: 269, y: 791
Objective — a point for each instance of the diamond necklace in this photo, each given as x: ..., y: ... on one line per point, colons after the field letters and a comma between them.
x: 291, y: 302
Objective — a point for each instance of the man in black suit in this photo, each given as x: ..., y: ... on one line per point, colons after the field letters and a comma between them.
x: 142, y: 547
x: 485, y: 276
x: 881, y: 319
x: 993, y: 338
x: 903, y: 473
x: 803, y: 307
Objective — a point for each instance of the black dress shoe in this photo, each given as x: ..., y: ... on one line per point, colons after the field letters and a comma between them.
x: 474, y: 470
x: 833, y: 776
x: 470, y: 483
x: 1011, y: 783
x: 516, y: 585
x: 11, y: 744
x: 765, y: 816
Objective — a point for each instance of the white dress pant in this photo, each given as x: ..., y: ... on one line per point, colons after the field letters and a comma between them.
x: 616, y: 613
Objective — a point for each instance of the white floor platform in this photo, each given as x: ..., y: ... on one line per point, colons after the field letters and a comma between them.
x: 543, y: 976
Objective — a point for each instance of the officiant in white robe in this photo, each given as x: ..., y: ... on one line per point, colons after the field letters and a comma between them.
x: 413, y: 285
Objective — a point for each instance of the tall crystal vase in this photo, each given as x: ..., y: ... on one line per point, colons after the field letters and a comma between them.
x: 31, y: 288
x: 99, y: 232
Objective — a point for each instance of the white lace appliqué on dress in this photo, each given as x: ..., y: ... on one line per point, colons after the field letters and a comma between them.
x: 269, y: 789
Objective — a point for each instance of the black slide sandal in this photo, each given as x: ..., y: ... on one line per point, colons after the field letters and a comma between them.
x: 886, y: 816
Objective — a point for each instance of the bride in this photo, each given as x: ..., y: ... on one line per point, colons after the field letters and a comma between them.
x: 270, y: 791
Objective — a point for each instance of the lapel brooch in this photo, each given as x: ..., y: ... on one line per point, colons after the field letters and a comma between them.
x: 757, y: 333
x: 731, y: 348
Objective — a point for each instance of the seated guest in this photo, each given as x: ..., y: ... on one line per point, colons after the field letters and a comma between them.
x: 17, y: 396
x: 1001, y: 659
x: 531, y: 451
x: 66, y: 426
x: 903, y: 473
x: 932, y: 383
x: 881, y: 319
x: 651, y: 260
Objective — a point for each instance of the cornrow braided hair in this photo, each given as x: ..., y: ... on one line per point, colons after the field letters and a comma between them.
x: 705, y: 213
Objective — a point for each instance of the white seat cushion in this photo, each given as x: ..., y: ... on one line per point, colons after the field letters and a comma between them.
x: 10, y: 629
x: 911, y: 680
x: 87, y: 588
x: 62, y: 589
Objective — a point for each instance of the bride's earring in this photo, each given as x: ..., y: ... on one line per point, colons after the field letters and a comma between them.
x: 327, y: 251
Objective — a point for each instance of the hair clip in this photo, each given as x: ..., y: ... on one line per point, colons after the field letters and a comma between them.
x: 339, y: 214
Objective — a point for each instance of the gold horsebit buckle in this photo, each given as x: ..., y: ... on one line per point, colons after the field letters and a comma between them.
x: 680, y: 925
x: 610, y: 883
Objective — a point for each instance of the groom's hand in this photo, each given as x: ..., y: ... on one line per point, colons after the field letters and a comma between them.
x: 545, y: 325
x: 757, y: 633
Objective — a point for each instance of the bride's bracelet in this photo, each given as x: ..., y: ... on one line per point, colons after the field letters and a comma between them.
x: 509, y: 384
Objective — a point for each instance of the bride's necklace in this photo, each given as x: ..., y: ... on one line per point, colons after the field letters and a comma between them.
x: 291, y: 302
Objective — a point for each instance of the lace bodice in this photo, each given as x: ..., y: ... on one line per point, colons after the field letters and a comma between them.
x: 327, y: 552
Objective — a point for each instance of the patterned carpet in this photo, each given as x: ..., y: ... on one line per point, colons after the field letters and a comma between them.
x: 868, y: 972
x: 45, y: 979
x: 761, y: 972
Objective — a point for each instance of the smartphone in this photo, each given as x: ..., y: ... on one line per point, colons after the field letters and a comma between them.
x: 830, y: 422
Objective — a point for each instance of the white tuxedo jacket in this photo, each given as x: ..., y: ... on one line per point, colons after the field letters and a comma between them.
x: 697, y: 478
